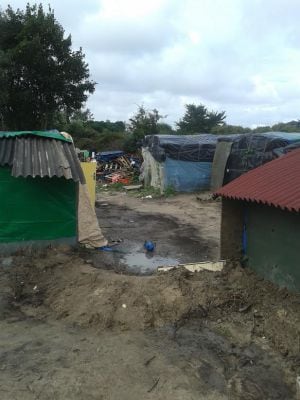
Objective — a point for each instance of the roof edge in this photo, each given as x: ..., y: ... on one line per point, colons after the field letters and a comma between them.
x: 51, y: 134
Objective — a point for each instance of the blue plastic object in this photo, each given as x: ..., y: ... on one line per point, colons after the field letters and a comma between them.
x: 149, y: 246
x: 105, y: 248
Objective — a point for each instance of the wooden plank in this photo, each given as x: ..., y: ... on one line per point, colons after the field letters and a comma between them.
x: 214, y: 266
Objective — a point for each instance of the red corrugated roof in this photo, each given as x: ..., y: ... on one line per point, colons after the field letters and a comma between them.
x: 275, y: 183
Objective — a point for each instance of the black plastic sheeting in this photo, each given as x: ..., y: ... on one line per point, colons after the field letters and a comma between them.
x: 249, y: 151
x: 182, y: 147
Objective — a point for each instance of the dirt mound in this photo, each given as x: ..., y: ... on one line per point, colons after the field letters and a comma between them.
x: 235, y: 301
x: 230, y: 320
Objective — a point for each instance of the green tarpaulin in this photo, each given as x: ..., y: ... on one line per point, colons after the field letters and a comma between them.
x: 36, y: 208
x: 53, y: 134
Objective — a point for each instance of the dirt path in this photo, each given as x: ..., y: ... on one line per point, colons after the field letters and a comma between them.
x: 190, y: 210
x: 184, y: 229
x: 51, y: 360
x: 71, y: 329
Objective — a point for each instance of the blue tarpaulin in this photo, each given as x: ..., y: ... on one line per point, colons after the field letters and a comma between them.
x: 187, y: 176
x: 107, y: 156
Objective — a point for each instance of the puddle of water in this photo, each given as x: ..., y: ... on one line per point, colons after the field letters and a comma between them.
x: 145, y: 263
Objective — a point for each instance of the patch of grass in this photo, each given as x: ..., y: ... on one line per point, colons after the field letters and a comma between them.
x: 169, y: 191
x: 148, y: 191
x: 116, y: 186
x: 143, y: 192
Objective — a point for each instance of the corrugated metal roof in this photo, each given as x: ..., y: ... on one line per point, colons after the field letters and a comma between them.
x: 37, y: 156
x: 276, y: 183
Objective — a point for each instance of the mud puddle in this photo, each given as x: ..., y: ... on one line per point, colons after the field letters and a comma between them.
x: 132, y: 258
x: 144, y: 262
x: 175, y: 243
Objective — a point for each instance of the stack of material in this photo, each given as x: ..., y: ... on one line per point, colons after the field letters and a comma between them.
x: 118, y: 170
x: 119, y: 163
x: 119, y: 177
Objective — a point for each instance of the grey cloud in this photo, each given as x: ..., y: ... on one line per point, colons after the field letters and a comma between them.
x: 128, y: 38
x: 243, y: 58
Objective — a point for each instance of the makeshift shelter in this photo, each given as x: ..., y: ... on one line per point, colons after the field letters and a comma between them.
x: 182, y: 162
x: 237, y: 154
x: 261, y: 220
x: 42, y: 192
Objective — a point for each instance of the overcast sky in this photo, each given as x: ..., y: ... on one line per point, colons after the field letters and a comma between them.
x: 241, y: 56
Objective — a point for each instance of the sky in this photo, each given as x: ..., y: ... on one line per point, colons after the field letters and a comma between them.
x: 238, y: 56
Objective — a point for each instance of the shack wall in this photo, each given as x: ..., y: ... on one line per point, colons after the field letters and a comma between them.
x: 40, y: 209
x: 187, y: 176
x: 231, y: 229
x: 272, y: 240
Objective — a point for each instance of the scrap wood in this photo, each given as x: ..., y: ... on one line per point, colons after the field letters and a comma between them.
x: 118, y: 163
x: 124, y: 161
x: 215, y: 266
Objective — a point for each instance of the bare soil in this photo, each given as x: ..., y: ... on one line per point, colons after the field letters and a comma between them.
x: 78, y: 324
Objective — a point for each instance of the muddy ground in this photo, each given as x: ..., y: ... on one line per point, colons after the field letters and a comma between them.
x: 78, y: 324
x: 184, y: 230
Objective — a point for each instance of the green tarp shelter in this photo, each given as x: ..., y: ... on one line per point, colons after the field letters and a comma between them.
x: 39, y: 178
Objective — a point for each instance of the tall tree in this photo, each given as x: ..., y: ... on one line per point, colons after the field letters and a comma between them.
x: 40, y: 74
x: 143, y: 123
x: 198, y: 119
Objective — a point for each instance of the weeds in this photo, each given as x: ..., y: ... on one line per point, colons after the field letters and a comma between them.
x: 169, y: 191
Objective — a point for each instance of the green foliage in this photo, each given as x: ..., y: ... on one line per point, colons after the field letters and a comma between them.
x: 262, y: 129
x: 198, y: 119
x: 130, y: 144
x: 89, y: 134
x: 108, y: 126
x: 291, y: 126
x: 40, y: 73
x: 169, y: 191
x: 143, y: 123
x: 229, y: 129
x: 165, y: 129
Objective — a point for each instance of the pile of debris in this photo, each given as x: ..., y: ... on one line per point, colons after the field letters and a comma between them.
x: 116, y: 167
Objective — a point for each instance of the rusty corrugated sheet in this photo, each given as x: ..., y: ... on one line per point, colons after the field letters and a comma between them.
x: 276, y: 183
x: 34, y: 156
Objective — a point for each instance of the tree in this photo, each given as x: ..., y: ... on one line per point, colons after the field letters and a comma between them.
x: 40, y: 74
x: 291, y: 126
x: 197, y: 119
x: 229, y: 129
x: 165, y: 129
x: 108, y: 126
x: 143, y: 123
